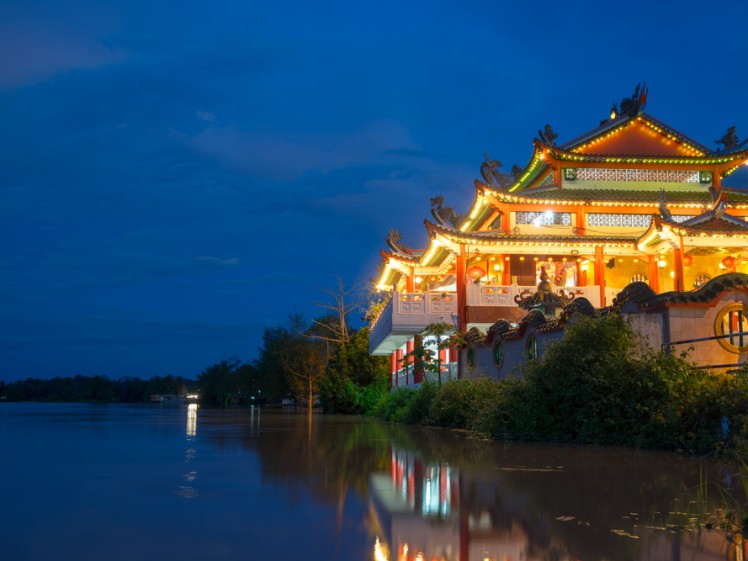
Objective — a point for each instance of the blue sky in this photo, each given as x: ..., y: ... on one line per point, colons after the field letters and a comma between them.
x: 177, y: 176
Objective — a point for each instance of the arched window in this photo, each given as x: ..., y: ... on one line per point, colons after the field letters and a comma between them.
x: 471, y: 357
x: 498, y: 355
x: 531, y: 347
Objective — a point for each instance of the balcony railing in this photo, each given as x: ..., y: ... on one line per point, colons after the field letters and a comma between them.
x: 489, y: 295
x: 405, y: 315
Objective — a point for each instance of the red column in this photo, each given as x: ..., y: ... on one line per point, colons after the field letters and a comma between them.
x: 460, y: 273
x: 393, y: 367
x: 454, y: 355
x: 654, y: 273
x: 399, y: 366
x: 600, y: 272
x: 409, y: 346
x: 410, y: 281
x: 580, y: 223
x: 678, y: 266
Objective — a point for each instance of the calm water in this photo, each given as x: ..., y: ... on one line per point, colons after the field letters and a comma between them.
x: 93, y: 482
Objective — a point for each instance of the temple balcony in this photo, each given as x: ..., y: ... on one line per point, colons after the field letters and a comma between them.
x: 503, y: 296
x: 406, y: 315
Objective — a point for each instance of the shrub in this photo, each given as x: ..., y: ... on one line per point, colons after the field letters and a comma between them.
x: 465, y: 404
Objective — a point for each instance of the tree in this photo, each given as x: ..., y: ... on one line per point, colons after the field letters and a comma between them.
x: 334, y: 325
x: 354, y: 380
x: 219, y: 383
x: 303, y: 361
x: 270, y: 375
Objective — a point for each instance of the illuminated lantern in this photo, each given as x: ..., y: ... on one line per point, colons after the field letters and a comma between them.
x: 475, y: 273
x: 728, y: 262
x: 687, y: 260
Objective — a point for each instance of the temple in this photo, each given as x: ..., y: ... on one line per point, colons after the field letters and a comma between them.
x: 633, y: 200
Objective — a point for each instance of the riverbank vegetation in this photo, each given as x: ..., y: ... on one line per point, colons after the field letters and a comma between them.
x: 322, y: 362
x: 598, y: 385
x: 94, y: 389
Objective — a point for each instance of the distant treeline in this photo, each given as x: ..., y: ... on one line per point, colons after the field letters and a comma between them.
x: 94, y: 389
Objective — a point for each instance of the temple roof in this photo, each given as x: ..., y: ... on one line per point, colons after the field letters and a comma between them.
x: 627, y: 134
x: 622, y: 196
x: 499, y: 237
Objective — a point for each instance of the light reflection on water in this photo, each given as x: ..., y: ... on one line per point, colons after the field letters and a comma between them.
x: 142, y: 482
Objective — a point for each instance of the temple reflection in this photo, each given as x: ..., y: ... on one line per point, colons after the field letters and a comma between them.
x: 432, y: 511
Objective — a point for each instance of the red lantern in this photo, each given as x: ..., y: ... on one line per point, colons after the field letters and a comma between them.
x: 475, y: 273
x: 728, y: 262
x: 687, y: 260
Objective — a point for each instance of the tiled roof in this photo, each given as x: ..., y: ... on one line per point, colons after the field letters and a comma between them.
x: 718, y: 224
x: 642, y: 296
x: 502, y: 330
x: 734, y: 196
x: 499, y: 236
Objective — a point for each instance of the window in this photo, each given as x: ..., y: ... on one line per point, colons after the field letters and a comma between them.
x: 498, y: 355
x: 546, y: 218
x: 471, y: 357
x: 733, y: 322
x: 531, y: 347
x: 619, y: 220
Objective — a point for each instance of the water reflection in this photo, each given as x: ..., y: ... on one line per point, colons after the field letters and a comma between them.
x: 192, y: 419
x: 187, y: 490
x: 427, y: 509
x: 339, y: 488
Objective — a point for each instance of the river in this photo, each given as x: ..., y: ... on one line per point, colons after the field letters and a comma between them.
x: 116, y: 482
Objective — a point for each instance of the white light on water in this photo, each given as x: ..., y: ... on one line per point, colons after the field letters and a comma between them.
x: 192, y: 419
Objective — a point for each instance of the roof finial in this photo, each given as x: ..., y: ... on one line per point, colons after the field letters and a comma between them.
x: 636, y: 103
x: 490, y: 170
x: 664, y: 212
x: 548, y: 135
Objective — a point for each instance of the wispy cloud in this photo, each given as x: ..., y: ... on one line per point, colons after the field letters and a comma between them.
x: 219, y: 260
x: 42, y: 51
x: 289, y: 155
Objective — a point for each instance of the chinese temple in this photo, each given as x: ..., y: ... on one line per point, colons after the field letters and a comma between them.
x: 632, y: 200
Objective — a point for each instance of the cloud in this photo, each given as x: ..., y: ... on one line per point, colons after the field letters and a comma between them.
x: 219, y: 260
x: 206, y: 116
x: 288, y: 155
x: 33, y: 53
